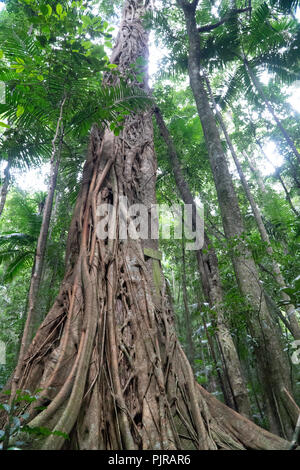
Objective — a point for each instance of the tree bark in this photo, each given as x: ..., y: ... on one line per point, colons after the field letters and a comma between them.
x: 187, y: 314
x: 222, y: 378
x: 267, y: 342
x: 112, y: 373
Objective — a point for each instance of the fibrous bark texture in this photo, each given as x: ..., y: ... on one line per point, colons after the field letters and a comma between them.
x: 112, y: 373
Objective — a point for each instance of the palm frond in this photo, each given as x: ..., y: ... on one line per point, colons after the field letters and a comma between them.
x: 22, y: 260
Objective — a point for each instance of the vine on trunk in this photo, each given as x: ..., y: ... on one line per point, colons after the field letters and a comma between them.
x: 112, y: 373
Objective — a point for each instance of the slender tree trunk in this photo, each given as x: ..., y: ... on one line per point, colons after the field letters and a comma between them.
x: 267, y: 342
x: 224, y: 384
x: 277, y: 174
x: 293, y: 323
x: 4, y: 188
x: 187, y: 314
x: 287, y: 194
x: 290, y: 309
x: 260, y: 91
x: 211, y: 283
x: 33, y: 317
x: 209, y: 272
x: 112, y: 373
x: 256, y: 173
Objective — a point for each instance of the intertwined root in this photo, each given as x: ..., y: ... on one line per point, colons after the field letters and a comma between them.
x: 112, y: 373
x: 106, y: 357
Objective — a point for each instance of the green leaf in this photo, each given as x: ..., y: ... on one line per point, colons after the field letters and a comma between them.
x: 49, y: 9
x: 87, y: 44
x: 61, y: 434
x: 141, y: 61
x: 20, y: 110
x: 44, y: 10
x: 18, y: 67
x: 86, y: 21
x: 2, y: 124
x: 40, y: 408
x: 59, y: 9
x: 288, y: 290
x: 296, y: 283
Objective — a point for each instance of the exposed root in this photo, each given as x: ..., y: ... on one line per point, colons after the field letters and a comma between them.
x: 107, y: 358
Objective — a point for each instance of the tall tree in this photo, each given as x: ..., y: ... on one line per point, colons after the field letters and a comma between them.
x: 275, y: 375
x: 33, y: 318
x: 292, y: 320
x: 63, y: 82
x: 112, y: 373
x: 187, y: 314
x: 211, y: 284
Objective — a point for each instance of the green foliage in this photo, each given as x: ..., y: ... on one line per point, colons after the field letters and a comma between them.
x: 47, y: 60
x: 16, y: 422
x: 53, y: 51
x: 17, y: 248
x: 293, y: 291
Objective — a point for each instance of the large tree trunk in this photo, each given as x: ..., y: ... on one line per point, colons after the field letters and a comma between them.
x: 112, y: 373
x: 272, y: 361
